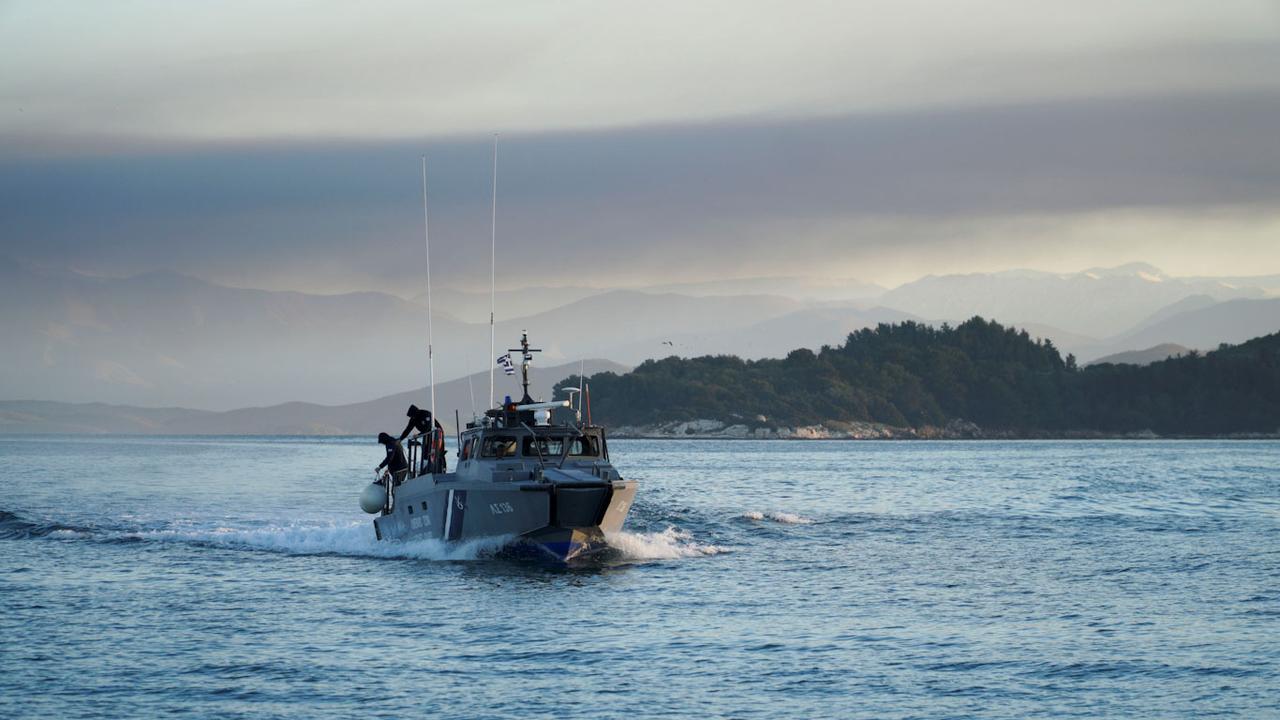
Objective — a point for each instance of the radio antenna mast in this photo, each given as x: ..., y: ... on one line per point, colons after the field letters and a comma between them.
x: 431, y: 361
x: 493, y: 261
x: 472, y: 389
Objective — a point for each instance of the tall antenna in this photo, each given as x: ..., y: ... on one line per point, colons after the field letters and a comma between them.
x: 431, y: 361
x: 493, y: 261
x: 472, y: 388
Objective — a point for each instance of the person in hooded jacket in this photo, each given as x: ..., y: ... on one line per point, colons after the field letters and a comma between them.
x: 395, y: 462
x: 420, y: 420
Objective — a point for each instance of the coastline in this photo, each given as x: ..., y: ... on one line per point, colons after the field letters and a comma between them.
x: 704, y: 429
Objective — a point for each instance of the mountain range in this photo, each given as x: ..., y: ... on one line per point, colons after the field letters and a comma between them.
x: 384, y: 414
x: 1157, y: 353
x: 1100, y: 302
x: 165, y: 340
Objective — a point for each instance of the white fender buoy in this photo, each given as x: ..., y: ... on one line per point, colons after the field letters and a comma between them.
x: 373, y: 499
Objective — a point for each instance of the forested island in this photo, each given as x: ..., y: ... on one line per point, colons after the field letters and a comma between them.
x: 977, y: 379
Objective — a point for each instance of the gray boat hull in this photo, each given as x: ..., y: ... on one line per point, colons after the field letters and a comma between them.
x: 560, y: 514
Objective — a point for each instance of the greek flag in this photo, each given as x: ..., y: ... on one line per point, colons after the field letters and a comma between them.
x: 504, y: 361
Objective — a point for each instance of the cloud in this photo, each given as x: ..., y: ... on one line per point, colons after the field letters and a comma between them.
x: 869, y: 195
x: 249, y: 70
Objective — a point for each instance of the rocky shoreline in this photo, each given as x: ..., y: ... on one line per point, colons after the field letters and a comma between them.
x: 957, y: 429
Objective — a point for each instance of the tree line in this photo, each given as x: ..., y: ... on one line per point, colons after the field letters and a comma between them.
x: 914, y: 375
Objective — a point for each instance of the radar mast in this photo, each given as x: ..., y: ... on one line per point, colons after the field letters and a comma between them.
x: 526, y: 357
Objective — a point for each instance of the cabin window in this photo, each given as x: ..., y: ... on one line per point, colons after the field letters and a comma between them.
x: 552, y: 447
x: 541, y: 445
x: 410, y: 509
x: 585, y: 446
x: 424, y: 505
x: 466, y: 449
x: 498, y: 446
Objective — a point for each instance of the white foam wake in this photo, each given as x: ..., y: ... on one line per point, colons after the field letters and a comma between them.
x: 69, y: 534
x: 670, y: 544
x: 355, y: 540
x: 778, y: 517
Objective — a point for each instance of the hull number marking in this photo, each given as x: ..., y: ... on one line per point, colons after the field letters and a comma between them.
x: 501, y: 508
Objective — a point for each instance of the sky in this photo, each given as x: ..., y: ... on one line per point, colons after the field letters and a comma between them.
x: 277, y: 145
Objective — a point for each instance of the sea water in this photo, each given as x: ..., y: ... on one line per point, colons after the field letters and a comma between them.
x: 236, y: 577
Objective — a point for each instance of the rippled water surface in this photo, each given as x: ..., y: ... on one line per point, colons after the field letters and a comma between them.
x: 142, y: 577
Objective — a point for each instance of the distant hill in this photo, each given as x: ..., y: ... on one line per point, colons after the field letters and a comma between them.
x: 770, y: 337
x: 164, y: 339
x: 629, y: 326
x: 914, y: 375
x: 1187, y: 304
x: 1206, y: 327
x: 1268, y: 283
x: 293, y: 418
x: 1099, y: 303
x: 1143, y: 357
x: 473, y: 305
x: 798, y: 288
x: 37, y: 416
x: 1197, y: 322
x: 168, y: 339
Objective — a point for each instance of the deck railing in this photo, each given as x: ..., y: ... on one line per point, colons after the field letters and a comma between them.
x: 414, y: 453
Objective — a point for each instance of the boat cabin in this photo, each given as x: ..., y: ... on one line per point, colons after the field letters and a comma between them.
x: 522, y: 440
x: 544, y: 444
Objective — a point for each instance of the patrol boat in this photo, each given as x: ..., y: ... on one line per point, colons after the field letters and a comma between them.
x: 528, y: 471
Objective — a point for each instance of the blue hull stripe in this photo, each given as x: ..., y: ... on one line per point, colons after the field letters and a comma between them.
x: 566, y: 549
x: 457, y: 510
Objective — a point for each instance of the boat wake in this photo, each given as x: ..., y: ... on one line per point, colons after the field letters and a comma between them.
x: 778, y: 517
x: 355, y: 540
x: 670, y: 544
x: 13, y: 527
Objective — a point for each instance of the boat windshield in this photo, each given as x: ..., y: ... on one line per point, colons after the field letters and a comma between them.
x: 498, y: 446
x: 580, y: 446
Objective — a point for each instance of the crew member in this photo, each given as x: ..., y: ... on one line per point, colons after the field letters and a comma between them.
x: 433, y: 459
x: 395, y: 462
